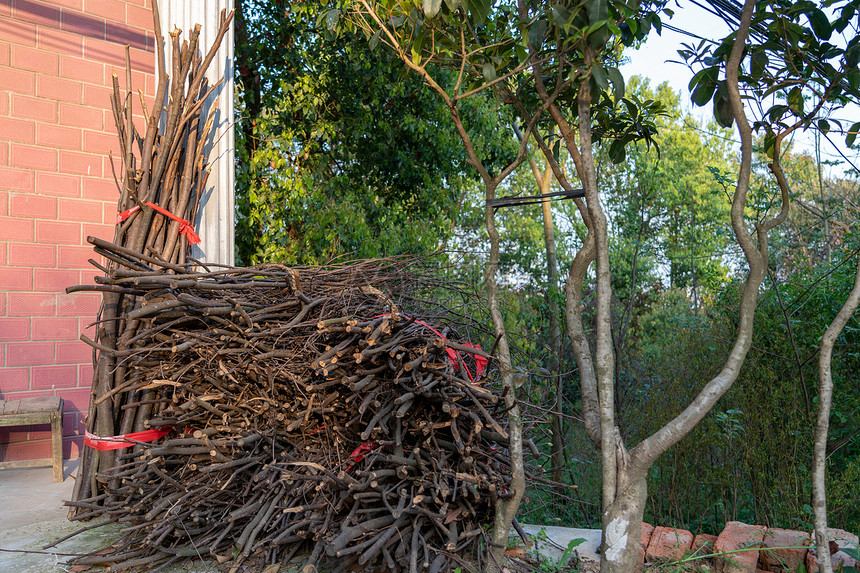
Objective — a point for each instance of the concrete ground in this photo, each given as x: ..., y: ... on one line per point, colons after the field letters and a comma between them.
x: 555, y: 546
x: 32, y: 516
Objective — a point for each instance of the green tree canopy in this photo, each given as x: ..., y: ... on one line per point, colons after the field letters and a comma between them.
x: 338, y: 150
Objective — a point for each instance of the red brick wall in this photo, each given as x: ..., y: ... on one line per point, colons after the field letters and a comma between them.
x: 56, y: 188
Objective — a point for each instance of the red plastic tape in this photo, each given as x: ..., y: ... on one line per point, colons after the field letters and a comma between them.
x: 124, y: 441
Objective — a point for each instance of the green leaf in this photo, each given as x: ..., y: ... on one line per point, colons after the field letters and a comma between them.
x: 852, y: 56
x: 479, y: 9
x: 644, y: 28
x: 561, y: 15
x: 536, y: 34
x: 598, y: 34
x: 617, y: 151
x: 617, y: 83
x: 570, y: 546
x: 331, y: 18
x: 521, y: 53
x: 633, y: 25
x: 374, y: 39
x: 452, y: 4
x: 758, y: 64
x: 705, y: 74
x: 599, y: 75
x: 722, y: 107
x: 776, y: 112
x: 854, y: 79
x: 703, y: 85
x: 594, y: 89
x: 417, y: 44
x: 852, y: 134
x: 632, y: 109
x: 489, y: 71
x: 723, y: 112
x: 598, y: 10
x: 820, y: 24
x: 852, y: 552
x: 795, y: 100
x: 431, y: 7
x: 823, y: 126
x: 702, y: 93
x: 657, y: 23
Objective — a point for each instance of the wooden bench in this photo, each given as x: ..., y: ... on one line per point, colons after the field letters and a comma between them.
x: 48, y: 410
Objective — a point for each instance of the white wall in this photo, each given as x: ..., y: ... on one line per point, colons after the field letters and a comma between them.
x: 215, y: 219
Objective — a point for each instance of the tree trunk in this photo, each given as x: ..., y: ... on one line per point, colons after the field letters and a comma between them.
x: 825, y: 396
x: 544, y: 182
x: 249, y: 77
x: 505, y: 510
x: 622, y: 524
x: 557, y: 456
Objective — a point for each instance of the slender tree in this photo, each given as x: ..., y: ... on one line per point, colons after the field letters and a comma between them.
x: 554, y: 65
x: 544, y: 181
x: 825, y: 395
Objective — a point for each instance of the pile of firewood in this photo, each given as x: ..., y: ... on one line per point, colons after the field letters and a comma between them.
x: 161, y: 179
x: 253, y: 415
x: 308, y: 411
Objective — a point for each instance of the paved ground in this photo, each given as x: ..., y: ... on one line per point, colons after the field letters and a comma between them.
x: 552, y: 542
x: 32, y: 515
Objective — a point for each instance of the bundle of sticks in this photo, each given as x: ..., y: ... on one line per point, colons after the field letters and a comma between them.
x: 161, y: 180
x: 256, y: 414
x: 309, y: 414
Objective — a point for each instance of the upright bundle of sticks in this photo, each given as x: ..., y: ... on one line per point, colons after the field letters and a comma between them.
x: 163, y: 175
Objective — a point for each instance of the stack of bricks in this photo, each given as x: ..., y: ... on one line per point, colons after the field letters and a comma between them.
x: 56, y: 188
x: 744, y: 548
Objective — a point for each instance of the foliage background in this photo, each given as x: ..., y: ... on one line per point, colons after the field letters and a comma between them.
x: 341, y: 153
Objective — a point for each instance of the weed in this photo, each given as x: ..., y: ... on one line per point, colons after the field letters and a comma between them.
x: 545, y: 565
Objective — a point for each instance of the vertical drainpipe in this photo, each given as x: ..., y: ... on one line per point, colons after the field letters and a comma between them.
x: 215, y: 219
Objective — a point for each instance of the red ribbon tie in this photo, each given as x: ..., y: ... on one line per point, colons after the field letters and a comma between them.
x: 185, y: 227
x: 125, y: 440
x: 453, y: 355
x: 362, y: 450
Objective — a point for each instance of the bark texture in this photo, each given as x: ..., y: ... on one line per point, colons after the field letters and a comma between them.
x: 825, y: 398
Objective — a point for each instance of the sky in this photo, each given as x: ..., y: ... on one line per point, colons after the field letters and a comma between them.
x: 652, y: 60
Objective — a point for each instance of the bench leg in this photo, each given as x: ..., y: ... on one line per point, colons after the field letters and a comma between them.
x: 57, y: 445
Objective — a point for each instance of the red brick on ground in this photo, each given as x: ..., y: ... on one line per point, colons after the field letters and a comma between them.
x: 737, y: 535
x: 647, y: 531
x: 702, y: 548
x: 783, y: 559
x: 668, y: 544
x: 842, y: 539
x: 703, y: 544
